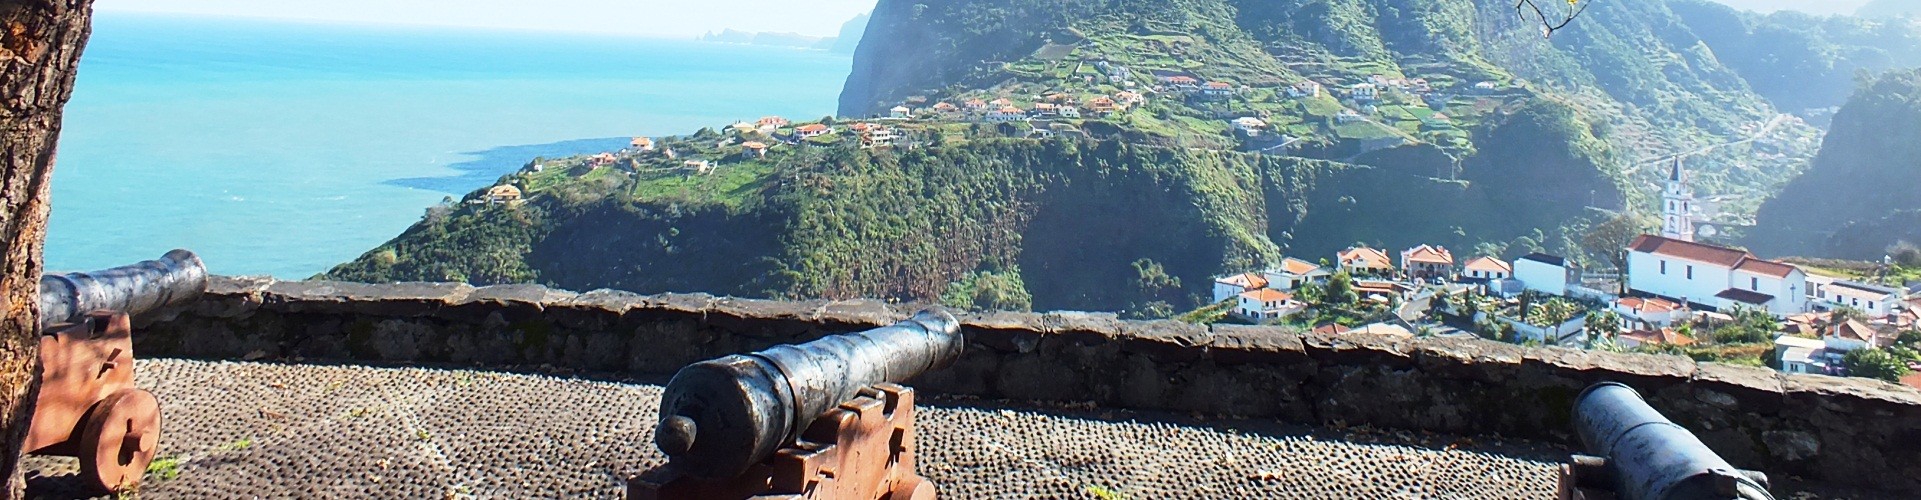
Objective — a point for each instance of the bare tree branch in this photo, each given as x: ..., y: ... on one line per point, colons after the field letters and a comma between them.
x: 1551, y: 23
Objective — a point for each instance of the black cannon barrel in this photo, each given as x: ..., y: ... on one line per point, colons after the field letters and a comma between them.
x: 174, y: 279
x: 719, y: 417
x: 1652, y: 458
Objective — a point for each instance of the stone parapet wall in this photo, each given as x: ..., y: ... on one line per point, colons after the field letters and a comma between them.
x: 1853, y: 432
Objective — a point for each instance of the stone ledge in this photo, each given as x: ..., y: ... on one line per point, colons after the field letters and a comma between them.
x: 1807, y: 426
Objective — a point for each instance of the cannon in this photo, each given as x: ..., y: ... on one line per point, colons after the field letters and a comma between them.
x: 824, y: 419
x: 88, y: 406
x: 1638, y: 454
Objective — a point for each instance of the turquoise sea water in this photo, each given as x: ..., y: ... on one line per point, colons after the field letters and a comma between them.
x: 281, y: 148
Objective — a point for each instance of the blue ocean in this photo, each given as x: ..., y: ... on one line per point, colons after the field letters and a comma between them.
x: 281, y: 148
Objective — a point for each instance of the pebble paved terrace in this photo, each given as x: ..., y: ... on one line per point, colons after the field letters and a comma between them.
x: 251, y: 430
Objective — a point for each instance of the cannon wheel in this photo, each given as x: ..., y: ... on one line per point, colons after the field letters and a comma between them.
x: 119, y: 439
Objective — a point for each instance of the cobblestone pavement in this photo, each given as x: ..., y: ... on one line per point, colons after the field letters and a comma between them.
x: 252, y: 430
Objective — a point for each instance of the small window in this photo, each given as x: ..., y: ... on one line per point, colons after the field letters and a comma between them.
x: 1870, y: 306
x: 1690, y: 272
x: 1664, y: 267
x: 1754, y: 284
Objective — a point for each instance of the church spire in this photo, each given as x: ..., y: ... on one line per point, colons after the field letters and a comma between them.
x: 1677, y: 206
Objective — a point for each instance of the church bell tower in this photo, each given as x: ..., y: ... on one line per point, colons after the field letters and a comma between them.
x: 1677, y: 206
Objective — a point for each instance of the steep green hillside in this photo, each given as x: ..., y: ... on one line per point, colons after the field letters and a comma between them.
x: 1638, y: 68
x: 1859, y: 197
x: 1446, y: 122
x: 1084, y: 224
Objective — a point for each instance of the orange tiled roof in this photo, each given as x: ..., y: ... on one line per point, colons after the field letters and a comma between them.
x: 1648, y: 305
x: 1701, y: 252
x: 1662, y: 336
x: 755, y: 145
x: 1249, y: 280
x: 1489, y: 264
x: 1854, y: 329
x: 1298, y: 267
x: 1268, y: 295
x: 812, y: 127
x: 1369, y: 257
x: 1427, y: 254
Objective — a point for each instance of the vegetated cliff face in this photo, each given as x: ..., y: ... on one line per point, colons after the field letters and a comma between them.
x: 1080, y: 220
x: 1859, y: 197
x: 845, y: 223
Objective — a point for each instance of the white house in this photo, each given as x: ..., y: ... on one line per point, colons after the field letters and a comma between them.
x: 1267, y: 304
x: 901, y: 112
x: 1487, y: 268
x: 1249, y: 125
x: 812, y: 130
x: 1307, y: 88
x: 1428, y: 261
x: 1233, y: 286
x: 1877, y: 302
x: 1714, y: 277
x: 1295, y: 272
x: 1364, y: 260
x: 1365, y: 92
x: 1850, y: 336
x: 1006, y: 114
x: 1648, y: 313
x: 1545, y: 273
x: 1801, y: 354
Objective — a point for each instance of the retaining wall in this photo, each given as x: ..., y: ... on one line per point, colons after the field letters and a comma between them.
x: 1845, y: 431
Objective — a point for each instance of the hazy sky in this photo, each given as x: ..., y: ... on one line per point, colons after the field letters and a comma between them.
x: 1811, y: 6
x: 642, y: 17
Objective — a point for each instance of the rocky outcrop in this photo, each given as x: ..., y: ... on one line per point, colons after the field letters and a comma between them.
x: 1840, y: 430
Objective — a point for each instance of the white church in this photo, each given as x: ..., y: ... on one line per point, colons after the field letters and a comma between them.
x: 1705, y: 276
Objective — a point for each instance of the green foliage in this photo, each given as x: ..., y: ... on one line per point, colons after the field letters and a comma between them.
x: 989, y: 291
x: 1875, y: 364
x: 164, y: 468
x: 1750, y: 326
x: 1339, y: 290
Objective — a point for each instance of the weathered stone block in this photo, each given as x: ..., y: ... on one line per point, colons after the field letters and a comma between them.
x: 1171, y: 341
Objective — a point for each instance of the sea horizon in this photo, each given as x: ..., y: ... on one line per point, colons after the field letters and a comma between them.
x: 287, y: 147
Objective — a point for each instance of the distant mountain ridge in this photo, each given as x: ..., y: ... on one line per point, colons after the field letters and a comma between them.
x: 1890, y: 8
x: 1859, y: 197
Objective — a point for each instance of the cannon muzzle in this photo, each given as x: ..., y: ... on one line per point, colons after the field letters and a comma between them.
x: 1651, y: 458
x: 719, y: 417
x: 174, y: 279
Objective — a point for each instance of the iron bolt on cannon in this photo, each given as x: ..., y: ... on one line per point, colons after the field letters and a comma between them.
x: 1641, y: 455
x: 817, y: 420
x: 88, y: 405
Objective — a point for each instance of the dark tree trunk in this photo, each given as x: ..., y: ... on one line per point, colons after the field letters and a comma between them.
x: 40, y: 45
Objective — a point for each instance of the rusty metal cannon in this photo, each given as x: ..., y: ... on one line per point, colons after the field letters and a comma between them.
x: 88, y: 405
x: 1641, y: 455
x: 817, y: 420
